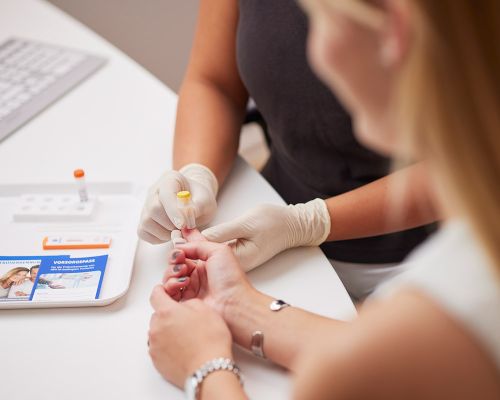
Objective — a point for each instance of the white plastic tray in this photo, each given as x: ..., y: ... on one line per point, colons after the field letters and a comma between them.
x: 117, y: 215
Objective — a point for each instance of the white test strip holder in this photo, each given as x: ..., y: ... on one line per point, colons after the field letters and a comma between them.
x: 54, y: 208
x: 116, y: 212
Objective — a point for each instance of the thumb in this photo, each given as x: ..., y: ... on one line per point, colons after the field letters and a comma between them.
x: 160, y: 299
x: 226, y: 231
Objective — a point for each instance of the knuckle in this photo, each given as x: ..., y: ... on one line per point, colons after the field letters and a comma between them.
x: 156, y: 209
x: 140, y: 232
x: 163, y: 313
x: 259, y: 209
x: 144, y: 219
x: 169, y: 174
x: 173, y: 177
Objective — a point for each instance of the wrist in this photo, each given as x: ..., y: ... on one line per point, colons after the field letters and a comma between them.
x: 223, y: 384
x: 310, y: 223
x: 243, y: 314
x: 202, y: 175
x: 202, y: 381
x: 212, y: 352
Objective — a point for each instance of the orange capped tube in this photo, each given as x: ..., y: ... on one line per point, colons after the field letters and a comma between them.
x: 79, y: 175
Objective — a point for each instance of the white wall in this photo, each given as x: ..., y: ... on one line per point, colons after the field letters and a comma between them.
x: 156, y: 33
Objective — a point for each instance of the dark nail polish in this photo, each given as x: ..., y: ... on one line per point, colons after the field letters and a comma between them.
x: 177, y: 267
x: 175, y: 254
x: 182, y: 279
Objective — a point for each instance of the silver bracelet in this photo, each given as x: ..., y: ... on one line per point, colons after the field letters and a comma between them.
x: 277, y: 305
x: 257, y: 341
x: 193, y: 382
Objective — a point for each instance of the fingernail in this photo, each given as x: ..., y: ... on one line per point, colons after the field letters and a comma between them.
x: 175, y: 254
x: 182, y: 279
x: 177, y: 267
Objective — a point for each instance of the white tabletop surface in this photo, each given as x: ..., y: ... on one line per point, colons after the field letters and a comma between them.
x: 118, y: 125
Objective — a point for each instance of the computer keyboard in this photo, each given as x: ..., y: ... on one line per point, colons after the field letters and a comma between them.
x: 33, y: 75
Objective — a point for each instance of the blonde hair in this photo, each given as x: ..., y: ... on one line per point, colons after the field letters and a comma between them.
x: 12, y: 272
x: 448, y: 102
x: 449, y: 106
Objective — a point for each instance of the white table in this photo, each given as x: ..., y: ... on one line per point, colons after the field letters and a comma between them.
x: 118, y: 125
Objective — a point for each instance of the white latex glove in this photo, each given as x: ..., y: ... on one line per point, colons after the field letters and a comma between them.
x: 160, y: 215
x: 268, y: 229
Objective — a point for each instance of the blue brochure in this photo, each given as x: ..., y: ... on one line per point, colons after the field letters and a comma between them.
x: 51, y: 278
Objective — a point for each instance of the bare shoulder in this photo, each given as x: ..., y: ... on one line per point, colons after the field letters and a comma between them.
x: 403, y: 348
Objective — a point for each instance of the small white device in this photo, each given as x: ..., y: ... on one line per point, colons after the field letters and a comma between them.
x: 53, y: 208
x: 177, y: 239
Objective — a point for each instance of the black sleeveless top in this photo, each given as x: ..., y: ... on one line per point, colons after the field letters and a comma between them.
x: 313, y: 150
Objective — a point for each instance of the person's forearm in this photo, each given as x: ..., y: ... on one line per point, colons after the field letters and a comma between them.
x: 222, y: 385
x: 207, y: 127
x: 285, y: 331
x: 399, y: 201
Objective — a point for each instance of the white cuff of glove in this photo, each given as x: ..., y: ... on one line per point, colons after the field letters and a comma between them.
x: 202, y: 175
x: 310, y: 223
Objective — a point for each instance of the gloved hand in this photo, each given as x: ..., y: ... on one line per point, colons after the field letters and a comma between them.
x: 268, y: 229
x: 160, y: 214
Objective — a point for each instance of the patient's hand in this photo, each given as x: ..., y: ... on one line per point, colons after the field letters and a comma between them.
x: 181, y: 279
x: 209, y: 271
x: 183, y: 336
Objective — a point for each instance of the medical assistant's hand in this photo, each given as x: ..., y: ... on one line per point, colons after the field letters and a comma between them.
x: 160, y: 214
x: 208, y: 271
x: 268, y: 229
x: 184, y: 336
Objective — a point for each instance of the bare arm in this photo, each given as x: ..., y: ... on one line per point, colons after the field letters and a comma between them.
x: 285, y: 332
x: 369, y: 210
x: 268, y: 229
x: 407, y: 342
x: 212, y: 99
x: 407, y: 348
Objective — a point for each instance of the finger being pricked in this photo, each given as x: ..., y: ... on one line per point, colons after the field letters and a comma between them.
x: 200, y: 250
x: 193, y: 235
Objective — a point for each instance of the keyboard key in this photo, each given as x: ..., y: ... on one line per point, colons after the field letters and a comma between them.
x: 13, y: 91
x: 32, y: 71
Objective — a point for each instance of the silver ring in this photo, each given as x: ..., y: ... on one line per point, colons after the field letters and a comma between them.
x: 182, y: 289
